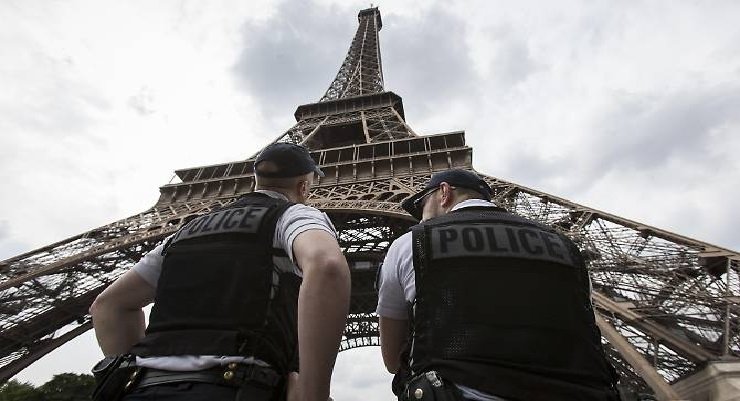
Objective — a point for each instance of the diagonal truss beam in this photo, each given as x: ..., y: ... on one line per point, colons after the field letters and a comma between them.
x: 686, y: 348
x: 638, y: 362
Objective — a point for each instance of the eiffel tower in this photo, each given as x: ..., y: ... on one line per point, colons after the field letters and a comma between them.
x: 668, y: 306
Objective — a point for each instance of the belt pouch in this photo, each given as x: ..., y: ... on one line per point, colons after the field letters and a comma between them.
x: 429, y: 386
x: 113, y: 377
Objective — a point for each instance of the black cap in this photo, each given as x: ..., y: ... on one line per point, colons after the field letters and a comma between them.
x: 456, y: 178
x: 291, y: 161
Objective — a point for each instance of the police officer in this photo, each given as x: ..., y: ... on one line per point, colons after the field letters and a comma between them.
x: 479, y: 304
x: 227, y: 315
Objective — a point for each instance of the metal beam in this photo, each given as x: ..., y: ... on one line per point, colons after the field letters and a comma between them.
x: 641, y: 366
x: 692, y: 351
x: 37, y: 351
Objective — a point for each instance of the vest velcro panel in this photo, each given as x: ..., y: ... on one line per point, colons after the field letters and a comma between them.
x: 502, y: 297
x: 219, y: 292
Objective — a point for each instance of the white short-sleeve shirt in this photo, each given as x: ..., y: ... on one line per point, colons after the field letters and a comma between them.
x: 295, y: 220
x: 397, y: 286
x: 396, y: 283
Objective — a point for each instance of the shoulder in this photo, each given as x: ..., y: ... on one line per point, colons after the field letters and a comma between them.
x: 300, y: 207
x: 399, y: 252
x: 401, y: 244
x: 299, y: 218
x: 306, y: 214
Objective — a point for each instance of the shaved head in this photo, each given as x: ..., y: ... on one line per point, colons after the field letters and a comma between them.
x: 295, y: 188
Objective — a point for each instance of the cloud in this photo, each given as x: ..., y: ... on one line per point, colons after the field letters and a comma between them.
x: 44, y: 94
x: 664, y: 159
x: 427, y: 59
x: 9, y: 247
x: 291, y: 57
x: 648, y: 131
x: 645, y: 132
x: 359, y: 374
x: 99, y: 106
x: 675, y: 152
x: 513, y: 62
x: 143, y: 102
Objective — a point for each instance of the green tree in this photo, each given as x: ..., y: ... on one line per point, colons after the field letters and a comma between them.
x: 62, y: 387
x: 68, y: 387
x: 17, y: 391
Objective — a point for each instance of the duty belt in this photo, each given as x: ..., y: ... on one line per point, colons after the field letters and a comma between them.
x: 233, y: 375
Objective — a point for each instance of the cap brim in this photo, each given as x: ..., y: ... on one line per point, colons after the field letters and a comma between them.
x: 318, y: 171
x: 408, y: 205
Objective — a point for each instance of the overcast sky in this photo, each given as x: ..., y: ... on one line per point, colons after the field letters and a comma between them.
x: 631, y: 107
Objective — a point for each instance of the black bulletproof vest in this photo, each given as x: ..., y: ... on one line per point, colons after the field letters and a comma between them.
x: 503, y: 306
x: 220, y: 293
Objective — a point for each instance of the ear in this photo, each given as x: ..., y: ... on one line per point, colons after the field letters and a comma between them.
x: 303, y: 187
x: 447, y: 195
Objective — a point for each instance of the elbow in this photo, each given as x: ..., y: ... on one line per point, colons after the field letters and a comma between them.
x: 391, y: 364
x: 338, y: 268
x: 98, y: 305
x: 391, y: 369
x: 105, y: 304
x: 333, y: 269
x: 391, y: 355
x: 336, y: 274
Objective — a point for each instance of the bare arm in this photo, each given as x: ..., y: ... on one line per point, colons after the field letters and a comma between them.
x: 323, y: 305
x: 393, y: 336
x: 118, y: 318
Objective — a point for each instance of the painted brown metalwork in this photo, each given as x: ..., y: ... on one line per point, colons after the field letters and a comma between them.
x: 667, y: 303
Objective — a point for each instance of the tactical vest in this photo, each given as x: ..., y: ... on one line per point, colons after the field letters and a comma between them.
x: 220, y: 291
x: 503, y: 306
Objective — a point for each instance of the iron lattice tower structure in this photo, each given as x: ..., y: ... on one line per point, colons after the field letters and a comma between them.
x: 666, y: 304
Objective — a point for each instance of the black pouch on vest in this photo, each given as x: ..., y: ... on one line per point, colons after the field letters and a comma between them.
x: 430, y: 386
x: 114, y: 375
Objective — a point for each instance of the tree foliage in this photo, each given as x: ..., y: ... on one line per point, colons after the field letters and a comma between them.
x: 17, y: 391
x: 62, y: 387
